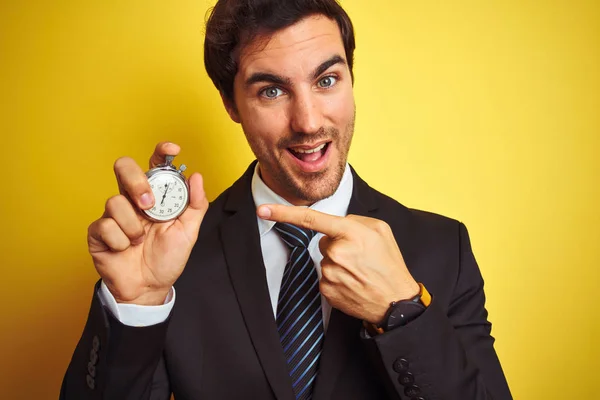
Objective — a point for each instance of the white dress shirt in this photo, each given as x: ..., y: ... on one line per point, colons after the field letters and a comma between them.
x: 275, y: 255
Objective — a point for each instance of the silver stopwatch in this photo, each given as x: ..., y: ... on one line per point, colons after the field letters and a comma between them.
x: 170, y: 189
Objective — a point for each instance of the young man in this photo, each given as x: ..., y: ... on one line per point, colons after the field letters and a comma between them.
x: 238, y: 300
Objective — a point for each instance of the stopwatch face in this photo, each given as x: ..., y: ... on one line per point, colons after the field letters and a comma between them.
x: 170, y: 195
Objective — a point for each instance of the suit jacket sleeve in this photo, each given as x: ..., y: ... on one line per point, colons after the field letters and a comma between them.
x: 447, y: 351
x: 114, y: 361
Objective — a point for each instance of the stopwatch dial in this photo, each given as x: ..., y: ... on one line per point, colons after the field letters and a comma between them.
x: 170, y: 195
x: 165, y: 188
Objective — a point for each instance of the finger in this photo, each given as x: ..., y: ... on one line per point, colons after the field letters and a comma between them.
x: 193, y: 215
x: 327, y: 290
x: 335, y: 274
x: 329, y: 225
x: 105, y: 234
x: 337, y: 255
x: 362, y: 219
x: 324, y: 243
x: 326, y: 266
x: 339, y: 278
x: 133, y: 182
x: 121, y: 210
x: 372, y: 223
x: 162, y: 150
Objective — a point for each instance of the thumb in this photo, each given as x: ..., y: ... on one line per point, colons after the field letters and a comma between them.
x: 193, y: 215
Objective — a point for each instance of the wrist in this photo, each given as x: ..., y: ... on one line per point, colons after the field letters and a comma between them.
x: 401, y: 312
x: 150, y: 298
x: 412, y: 290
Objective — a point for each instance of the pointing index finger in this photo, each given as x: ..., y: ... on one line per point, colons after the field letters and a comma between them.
x: 330, y: 225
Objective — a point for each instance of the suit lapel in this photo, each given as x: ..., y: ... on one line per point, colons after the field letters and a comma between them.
x: 343, y: 330
x: 241, y: 242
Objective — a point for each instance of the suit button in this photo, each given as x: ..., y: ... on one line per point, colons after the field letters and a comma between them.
x: 400, y: 365
x: 406, y: 379
x: 412, y: 391
x: 96, y: 343
x: 91, y: 369
x: 90, y: 382
x: 93, y: 357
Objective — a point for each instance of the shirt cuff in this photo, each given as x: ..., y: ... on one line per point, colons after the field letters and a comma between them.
x: 133, y: 314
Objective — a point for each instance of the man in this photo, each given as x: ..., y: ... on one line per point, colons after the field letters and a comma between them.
x: 238, y: 300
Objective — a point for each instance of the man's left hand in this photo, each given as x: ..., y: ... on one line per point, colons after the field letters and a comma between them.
x: 362, y: 270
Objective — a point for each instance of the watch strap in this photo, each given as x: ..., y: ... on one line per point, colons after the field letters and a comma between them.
x: 424, y: 295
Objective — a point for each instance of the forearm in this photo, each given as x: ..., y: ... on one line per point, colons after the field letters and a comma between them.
x: 429, y: 358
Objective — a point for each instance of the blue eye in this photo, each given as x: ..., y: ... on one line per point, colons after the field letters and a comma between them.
x: 271, y: 92
x: 327, y: 82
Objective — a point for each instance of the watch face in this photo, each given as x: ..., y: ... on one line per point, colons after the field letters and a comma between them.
x: 170, y: 194
x: 403, y: 312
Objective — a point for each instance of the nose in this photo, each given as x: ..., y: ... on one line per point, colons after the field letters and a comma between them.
x: 306, y: 114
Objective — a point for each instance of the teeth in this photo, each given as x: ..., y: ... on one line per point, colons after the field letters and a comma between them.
x: 310, y: 151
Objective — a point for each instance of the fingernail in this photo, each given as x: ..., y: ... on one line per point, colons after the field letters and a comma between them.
x: 146, y: 200
x: 264, y: 212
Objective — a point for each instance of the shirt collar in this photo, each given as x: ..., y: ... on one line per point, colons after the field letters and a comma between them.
x: 336, y: 204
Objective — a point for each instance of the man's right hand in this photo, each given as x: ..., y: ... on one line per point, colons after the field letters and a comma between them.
x: 140, y: 260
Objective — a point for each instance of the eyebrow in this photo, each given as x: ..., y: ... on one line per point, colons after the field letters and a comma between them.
x: 284, y: 81
x: 337, y: 59
x: 268, y: 78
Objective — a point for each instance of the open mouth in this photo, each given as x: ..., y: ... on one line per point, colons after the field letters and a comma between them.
x: 310, y: 158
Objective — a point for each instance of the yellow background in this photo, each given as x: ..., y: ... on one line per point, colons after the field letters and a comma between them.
x: 483, y: 111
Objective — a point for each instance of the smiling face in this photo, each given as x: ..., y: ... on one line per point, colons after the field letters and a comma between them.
x: 293, y: 96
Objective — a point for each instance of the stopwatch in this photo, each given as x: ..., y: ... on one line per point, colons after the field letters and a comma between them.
x: 170, y: 189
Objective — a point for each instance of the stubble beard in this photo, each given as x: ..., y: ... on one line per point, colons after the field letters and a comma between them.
x: 306, y: 187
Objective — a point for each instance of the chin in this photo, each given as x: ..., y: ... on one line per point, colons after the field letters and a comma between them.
x: 310, y: 188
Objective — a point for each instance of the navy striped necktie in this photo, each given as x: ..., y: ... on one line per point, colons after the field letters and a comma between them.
x: 299, y: 315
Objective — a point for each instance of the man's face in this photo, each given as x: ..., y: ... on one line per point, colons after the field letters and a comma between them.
x: 293, y: 96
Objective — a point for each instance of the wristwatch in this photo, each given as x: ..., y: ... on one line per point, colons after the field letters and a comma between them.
x: 402, y: 312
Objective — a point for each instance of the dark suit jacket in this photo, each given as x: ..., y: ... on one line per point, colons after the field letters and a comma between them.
x: 221, y: 342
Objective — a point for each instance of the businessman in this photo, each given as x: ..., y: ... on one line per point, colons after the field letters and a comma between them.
x: 299, y: 281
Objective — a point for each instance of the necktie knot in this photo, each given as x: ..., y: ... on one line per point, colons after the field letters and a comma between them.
x: 293, y: 235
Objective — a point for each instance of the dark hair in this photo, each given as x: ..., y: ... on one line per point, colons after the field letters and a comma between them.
x: 234, y: 23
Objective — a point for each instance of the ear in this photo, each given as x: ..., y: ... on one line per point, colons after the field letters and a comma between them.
x: 231, y: 108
